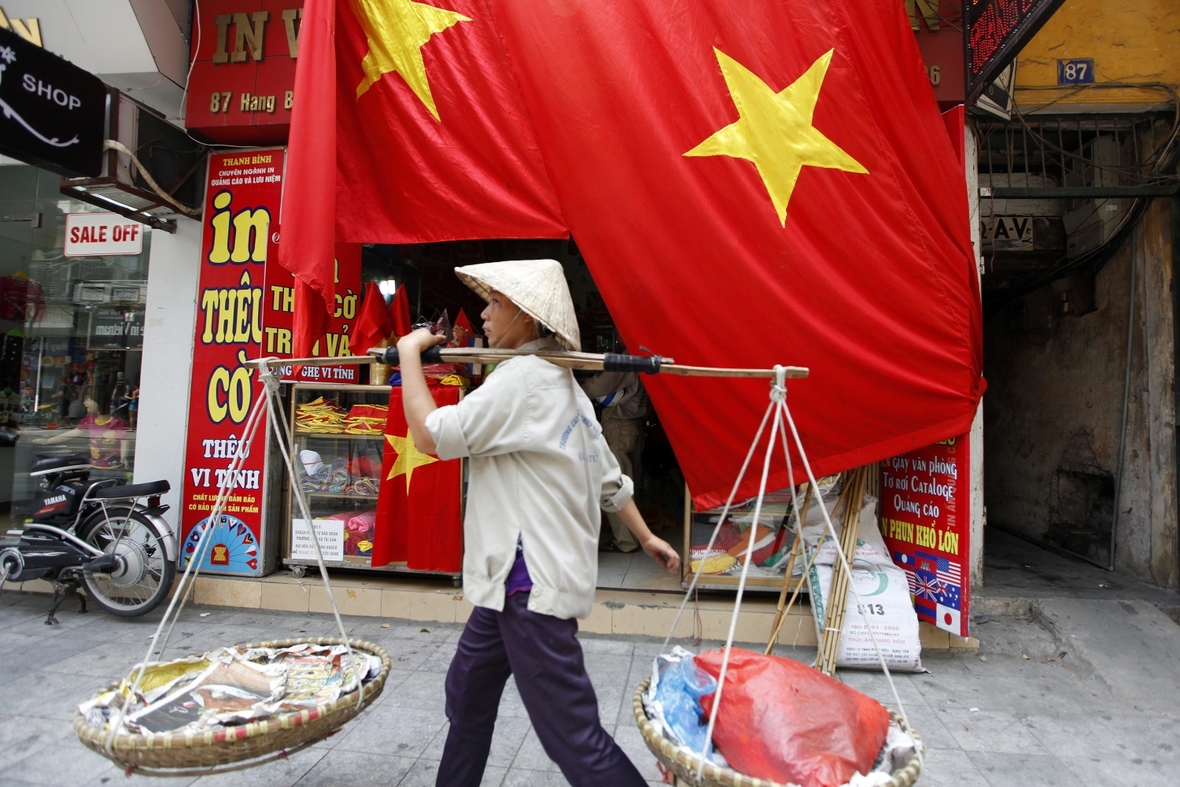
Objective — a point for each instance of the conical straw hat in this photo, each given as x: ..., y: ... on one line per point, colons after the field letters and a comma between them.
x: 538, y: 287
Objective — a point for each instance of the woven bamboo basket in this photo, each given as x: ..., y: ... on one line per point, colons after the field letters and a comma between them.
x: 241, y: 745
x: 685, y: 765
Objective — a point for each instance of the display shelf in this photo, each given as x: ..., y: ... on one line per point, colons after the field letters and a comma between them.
x: 323, y: 505
x: 719, y: 581
x: 337, y: 435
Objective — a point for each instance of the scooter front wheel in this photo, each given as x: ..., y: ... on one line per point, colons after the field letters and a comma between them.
x: 144, y: 575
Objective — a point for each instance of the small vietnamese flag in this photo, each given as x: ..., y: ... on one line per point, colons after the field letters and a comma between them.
x: 399, y: 312
x: 373, y: 323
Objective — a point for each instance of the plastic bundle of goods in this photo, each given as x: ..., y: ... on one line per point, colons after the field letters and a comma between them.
x: 366, y: 419
x: 365, y: 486
x: 321, y: 416
x: 358, y: 533
x: 884, y: 589
x: 366, y: 476
x: 779, y: 720
x: 315, y: 476
x: 338, y: 479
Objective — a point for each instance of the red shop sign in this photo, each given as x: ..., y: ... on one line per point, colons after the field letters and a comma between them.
x: 279, y: 318
x: 926, y: 521
x: 242, y: 85
x: 241, y: 200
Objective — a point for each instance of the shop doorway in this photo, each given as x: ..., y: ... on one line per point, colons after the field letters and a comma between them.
x: 435, y: 292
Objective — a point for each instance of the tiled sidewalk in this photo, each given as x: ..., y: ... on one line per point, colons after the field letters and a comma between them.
x: 1005, y: 720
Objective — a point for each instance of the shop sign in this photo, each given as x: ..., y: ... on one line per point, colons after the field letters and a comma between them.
x: 329, y: 532
x: 242, y: 85
x: 111, y: 327
x: 241, y: 200
x: 1009, y: 233
x: 926, y: 522
x: 245, y: 303
x: 279, y: 318
x: 996, y: 31
x: 241, y: 89
x: 52, y: 113
x: 941, y: 42
x: 102, y: 235
x: 28, y: 29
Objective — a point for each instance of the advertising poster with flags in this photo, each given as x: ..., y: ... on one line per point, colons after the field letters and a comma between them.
x: 926, y: 521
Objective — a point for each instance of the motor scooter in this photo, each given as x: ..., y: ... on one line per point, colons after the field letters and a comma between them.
x: 98, y: 534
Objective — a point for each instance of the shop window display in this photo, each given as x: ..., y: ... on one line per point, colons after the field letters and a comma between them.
x: 71, y: 339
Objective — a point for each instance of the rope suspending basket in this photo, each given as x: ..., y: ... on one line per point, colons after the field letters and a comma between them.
x: 258, y: 731
x: 899, y: 760
x: 233, y: 707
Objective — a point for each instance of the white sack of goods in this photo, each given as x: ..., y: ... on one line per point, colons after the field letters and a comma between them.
x: 885, y: 595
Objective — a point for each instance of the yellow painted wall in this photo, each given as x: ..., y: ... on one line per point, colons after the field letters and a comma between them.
x: 1133, y: 41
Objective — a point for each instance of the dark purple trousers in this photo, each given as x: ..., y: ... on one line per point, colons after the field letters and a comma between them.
x: 546, y: 658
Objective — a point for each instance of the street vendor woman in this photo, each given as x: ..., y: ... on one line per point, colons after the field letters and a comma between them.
x: 540, y: 471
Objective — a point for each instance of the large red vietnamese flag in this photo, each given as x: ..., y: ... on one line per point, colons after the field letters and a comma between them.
x: 754, y: 183
x: 307, y: 240
x: 433, y: 141
x: 438, y: 145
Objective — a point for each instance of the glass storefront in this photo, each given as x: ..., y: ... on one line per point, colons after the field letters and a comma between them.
x: 72, y: 332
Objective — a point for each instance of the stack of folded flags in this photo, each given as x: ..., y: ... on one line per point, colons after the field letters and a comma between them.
x: 366, y: 419
x: 321, y: 416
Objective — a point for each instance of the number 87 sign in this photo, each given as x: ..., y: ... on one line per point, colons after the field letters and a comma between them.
x: 1075, y: 72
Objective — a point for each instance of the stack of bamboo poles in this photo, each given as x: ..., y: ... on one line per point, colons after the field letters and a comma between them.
x: 847, y: 510
x: 852, y: 499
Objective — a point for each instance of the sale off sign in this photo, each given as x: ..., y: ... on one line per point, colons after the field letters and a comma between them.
x: 926, y: 521
x: 102, y: 235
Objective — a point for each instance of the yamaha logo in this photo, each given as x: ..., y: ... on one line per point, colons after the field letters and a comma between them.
x: 49, y: 501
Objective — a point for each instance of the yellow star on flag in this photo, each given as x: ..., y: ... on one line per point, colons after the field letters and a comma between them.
x: 408, y: 457
x: 396, y: 31
x: 774, y: 130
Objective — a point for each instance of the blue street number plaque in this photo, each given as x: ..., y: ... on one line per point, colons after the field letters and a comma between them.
x: 1075, y: 72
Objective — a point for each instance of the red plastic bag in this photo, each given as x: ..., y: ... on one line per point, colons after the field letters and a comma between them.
x: 784, y: 721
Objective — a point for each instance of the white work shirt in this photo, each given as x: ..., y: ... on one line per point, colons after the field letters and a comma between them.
x: 539, y: 471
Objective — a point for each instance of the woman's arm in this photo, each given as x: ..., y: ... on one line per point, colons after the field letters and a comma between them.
x: 58, y: 438
x: 416, y: 398
x: 657, y: 548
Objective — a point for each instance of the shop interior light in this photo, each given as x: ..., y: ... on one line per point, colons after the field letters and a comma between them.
x: 387, y: 287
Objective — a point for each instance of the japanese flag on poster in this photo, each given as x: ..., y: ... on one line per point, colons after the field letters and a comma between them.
x: 926, y: 521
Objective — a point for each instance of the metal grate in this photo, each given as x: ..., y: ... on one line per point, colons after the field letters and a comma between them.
x: 1091, y: 151
x: 1080, y: 183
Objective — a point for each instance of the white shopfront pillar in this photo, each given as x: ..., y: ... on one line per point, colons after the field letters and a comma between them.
x: 978, y: 513
x: 169, y: 331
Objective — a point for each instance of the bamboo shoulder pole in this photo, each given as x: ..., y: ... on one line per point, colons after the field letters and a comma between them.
x: 571, y: 360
